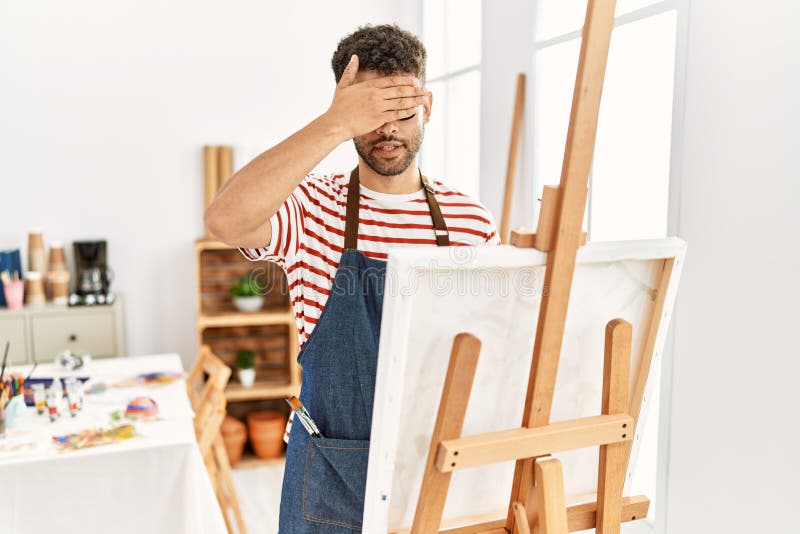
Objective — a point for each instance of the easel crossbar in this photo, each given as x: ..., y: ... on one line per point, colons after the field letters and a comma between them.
x: 520, y: 443
x: 579, y: 517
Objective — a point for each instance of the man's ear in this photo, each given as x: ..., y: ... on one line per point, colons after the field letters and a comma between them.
x: 427, y: 106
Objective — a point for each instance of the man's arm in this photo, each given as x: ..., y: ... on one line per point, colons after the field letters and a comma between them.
x: 240, y: 213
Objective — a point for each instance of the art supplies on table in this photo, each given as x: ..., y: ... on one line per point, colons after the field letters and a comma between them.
x: 93, y: 437
x: 39, y: 398
x: 160, y: 377
x: 141, y: 408
x: 5, y: 360
x: 14, y: 411
x: 53, y: 398
x: 74, y: 395
x: 13, y: 385
x: 157, y: 378
x: 96, y: 388
x: 12, y: 405
x: 47, y: 382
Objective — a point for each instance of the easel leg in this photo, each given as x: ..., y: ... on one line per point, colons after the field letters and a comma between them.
x: 522, y: 518
x: 552, y: 508
x: 449, y: 422
x: 613, y: 457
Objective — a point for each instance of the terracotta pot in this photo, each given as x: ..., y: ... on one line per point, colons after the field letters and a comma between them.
x: 266, y: 432
x: 234, y: 434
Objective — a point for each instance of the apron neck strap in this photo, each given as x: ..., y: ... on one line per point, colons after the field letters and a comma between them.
x: 439, y: 226
x: 351, y: 216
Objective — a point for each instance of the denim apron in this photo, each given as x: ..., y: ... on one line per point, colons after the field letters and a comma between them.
x: 325, y: 477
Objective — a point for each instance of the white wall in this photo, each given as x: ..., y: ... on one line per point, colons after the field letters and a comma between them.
x: 734, y: 440
x: 105, y: 106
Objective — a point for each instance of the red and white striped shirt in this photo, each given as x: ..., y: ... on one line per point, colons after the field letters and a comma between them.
x: 308, y: 233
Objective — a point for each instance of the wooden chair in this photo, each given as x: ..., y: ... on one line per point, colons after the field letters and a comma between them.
x: 207, y: 371
x: 206, y: 389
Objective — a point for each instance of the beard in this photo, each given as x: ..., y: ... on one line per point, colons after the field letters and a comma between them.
x: 394, y: 165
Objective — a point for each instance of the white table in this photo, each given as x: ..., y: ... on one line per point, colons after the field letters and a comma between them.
x: 155, y: 482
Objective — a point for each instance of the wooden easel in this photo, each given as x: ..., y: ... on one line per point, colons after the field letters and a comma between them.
x: 513, y: 150
x: 537, y: 501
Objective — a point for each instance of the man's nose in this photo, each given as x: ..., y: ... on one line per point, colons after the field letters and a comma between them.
x: 388, y: 128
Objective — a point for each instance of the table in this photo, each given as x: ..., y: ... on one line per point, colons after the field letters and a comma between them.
x: 155, y: 482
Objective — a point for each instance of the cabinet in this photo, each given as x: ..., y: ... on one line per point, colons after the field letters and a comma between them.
x: 37, y: 334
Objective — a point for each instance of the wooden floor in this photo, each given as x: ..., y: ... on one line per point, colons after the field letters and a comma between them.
x: 259, y: 491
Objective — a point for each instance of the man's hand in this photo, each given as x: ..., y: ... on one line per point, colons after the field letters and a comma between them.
x: 240, y: 213
x: 359, y: 108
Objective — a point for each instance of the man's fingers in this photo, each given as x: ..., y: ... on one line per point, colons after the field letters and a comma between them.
x: 349, y: 73
x: 394, y: 80
x: 398, y: 114
x: 403, y: 91
x: 405, y: 103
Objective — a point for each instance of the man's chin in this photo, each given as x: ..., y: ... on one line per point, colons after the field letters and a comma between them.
x: 385, y: 168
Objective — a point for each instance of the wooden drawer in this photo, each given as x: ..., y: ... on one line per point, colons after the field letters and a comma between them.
x: 79, y: 332
x: 12, y: 329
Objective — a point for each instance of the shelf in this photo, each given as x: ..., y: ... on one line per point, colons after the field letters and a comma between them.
x: 250, y: 461
x: 246, y: 319
x: 236, y: 392
x: 209, y: 243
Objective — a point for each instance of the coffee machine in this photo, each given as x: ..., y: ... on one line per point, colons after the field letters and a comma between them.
x: 93, y: 276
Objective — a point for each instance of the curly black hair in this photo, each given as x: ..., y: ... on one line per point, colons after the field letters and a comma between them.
x: 387, y: 49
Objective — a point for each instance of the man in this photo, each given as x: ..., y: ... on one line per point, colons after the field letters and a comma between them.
x: 331, y: 234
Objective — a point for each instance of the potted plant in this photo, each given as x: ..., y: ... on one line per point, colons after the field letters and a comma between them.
x: 244, y: 363
x: 247, y: 296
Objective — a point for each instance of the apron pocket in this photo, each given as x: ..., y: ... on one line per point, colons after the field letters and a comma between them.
x: 335, y: 480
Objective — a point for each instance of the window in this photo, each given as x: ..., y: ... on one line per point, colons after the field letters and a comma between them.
x: 628, y: 189
x: 451, y: 32
x: 629, y: 181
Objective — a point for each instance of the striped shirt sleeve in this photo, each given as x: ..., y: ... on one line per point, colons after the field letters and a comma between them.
x: 286, y: 232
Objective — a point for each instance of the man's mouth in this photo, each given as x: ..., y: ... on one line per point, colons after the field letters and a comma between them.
x: 388, y: 148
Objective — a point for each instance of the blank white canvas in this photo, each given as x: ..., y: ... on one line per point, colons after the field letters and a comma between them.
x: 495, y: 293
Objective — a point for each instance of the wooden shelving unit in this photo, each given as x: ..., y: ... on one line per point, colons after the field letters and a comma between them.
x: 269, y: 333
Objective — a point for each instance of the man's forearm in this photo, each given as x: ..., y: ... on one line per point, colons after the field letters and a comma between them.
x: 252, y: 195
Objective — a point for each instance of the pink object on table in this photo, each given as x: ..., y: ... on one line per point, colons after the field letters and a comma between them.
x: 141, y: 407
x: 14, y: 291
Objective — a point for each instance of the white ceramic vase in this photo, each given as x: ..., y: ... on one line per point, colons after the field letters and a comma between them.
x: 247, y: 377
x: 248, y: 304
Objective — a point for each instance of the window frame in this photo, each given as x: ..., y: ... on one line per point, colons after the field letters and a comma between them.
x: 445, y: 79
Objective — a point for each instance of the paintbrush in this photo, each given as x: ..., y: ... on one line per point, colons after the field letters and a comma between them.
x: 304, y: 417
x: 31, y: 371
x: 5, y: 357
